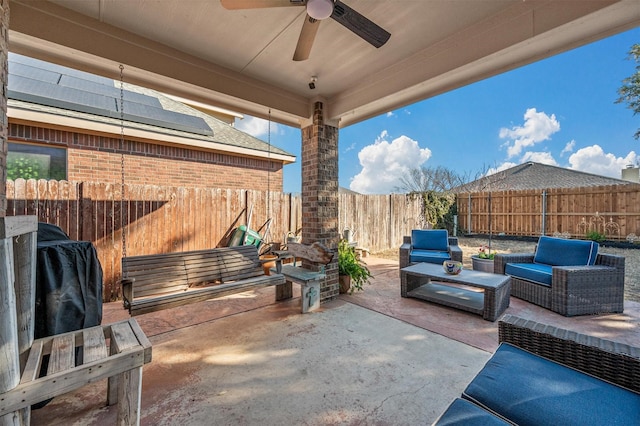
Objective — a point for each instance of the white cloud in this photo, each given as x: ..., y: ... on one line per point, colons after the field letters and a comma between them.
x: 539, y: 157
x: 350, y: 147
x: 504, y: 166
x: 384, y: 163
x: 537, y: 127
x: 569, y: 147
x: 593, y: 159
x: 256, y: 127
x: 390, y: 114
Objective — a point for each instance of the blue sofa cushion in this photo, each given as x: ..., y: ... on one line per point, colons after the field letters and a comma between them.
x: 430, y: 256
x: 535, y: 272
x: 463, y: 412
x: 531, y: 390
x: 561, y: 252
x: 430, y: 239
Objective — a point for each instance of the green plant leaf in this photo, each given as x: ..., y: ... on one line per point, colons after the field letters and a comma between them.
x: 349, y: 263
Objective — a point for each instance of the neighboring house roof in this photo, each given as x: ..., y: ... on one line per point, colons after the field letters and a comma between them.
x: 42, y: 89
x: 532, y: 175
x: 343, y: 190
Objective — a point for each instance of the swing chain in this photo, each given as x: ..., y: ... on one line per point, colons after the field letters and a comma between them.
x: 122, y: 182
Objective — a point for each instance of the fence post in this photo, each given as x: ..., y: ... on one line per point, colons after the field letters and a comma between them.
x: 544, y: 212
x: 455, y: 225
x: 469, y: 214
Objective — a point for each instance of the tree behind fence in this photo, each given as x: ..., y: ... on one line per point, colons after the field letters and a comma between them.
x: 171, y: 219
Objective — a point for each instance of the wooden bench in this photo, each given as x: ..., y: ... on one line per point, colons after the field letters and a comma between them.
x: 163, y: 281
x: 116, y: 351
x: 309, y: 279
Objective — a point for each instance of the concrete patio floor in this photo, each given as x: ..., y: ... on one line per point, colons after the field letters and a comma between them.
x: 372, y: 358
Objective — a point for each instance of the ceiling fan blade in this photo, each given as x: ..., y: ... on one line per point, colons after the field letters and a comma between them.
x: 363, y: 27
x: 258, y: 4
x: 305, y: 41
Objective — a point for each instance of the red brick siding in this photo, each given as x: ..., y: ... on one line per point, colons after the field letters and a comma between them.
x: 95, y: 158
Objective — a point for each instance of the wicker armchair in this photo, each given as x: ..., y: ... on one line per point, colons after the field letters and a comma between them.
x: 455, y: 252
x: 574, y: 290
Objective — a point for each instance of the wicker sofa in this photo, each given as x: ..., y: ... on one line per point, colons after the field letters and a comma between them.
x: 543, y: 375
x: 569, y: 277
x: 429, y: 245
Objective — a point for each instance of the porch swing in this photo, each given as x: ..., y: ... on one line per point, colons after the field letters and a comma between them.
x: 160, y: 281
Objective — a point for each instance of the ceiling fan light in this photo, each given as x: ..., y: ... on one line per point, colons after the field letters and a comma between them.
x: 319, y: 9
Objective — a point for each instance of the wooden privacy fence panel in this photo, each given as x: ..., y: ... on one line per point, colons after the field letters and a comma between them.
x: 613, y: 211
x: 172, y: 219
x: 156, y: 219
x: 379, y: 221
x: 169, y: 219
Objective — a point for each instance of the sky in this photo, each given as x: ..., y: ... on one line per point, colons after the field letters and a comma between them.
x: 559, y: 111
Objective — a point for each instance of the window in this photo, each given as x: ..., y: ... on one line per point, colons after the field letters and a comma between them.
x: 36, y: 162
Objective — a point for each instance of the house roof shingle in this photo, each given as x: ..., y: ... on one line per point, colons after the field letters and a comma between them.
x: 532, y: 175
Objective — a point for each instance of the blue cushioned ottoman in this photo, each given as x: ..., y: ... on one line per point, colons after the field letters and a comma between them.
x: 531, y: 390
x: 462, y: 412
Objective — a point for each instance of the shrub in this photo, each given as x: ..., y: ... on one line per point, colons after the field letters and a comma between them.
x: 595, y: 236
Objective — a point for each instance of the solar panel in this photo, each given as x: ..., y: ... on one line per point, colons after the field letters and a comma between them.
x: 48, y: 84
x: 107, y: 90
x: 41, y: 92
x: 47, y: 66
x: 33, y: 73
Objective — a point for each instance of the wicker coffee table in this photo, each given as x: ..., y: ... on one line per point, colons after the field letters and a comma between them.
x: 428, y: 281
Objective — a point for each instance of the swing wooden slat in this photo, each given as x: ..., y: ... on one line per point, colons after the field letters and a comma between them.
x: 192, y: 277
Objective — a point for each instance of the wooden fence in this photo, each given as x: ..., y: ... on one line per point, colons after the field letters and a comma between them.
x: 171, y: 219
x: 168, y: 219
x: 379, y: 222
x: 613, y: 211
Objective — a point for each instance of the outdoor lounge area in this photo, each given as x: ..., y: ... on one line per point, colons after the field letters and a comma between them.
x: 368, y: 358
x: 373, y: 357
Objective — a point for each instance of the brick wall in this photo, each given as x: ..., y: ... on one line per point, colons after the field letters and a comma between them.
x: 95, y: 158
x: 4, y: 74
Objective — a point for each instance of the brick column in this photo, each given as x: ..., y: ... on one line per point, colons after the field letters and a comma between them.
x: 320, y: 193
x: 4, y: 75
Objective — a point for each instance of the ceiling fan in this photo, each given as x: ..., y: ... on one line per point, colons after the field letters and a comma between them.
x: 318, y: 10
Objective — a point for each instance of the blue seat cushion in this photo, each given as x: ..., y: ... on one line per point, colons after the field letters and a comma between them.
x: 463, y: 412
x: 430, y: 239
x: 531, y: 390
x: 561, y: 252
x: 430, y: 256
x: 535, y: 272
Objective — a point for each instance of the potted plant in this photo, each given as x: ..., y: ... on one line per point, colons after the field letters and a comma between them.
x: 483, y: 261
x: 352, y: 272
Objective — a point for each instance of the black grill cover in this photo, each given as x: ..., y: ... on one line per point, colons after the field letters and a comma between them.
x: 68, y: 283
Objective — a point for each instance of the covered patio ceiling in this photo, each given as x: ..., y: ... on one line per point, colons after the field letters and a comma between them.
x: 242, y: 59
